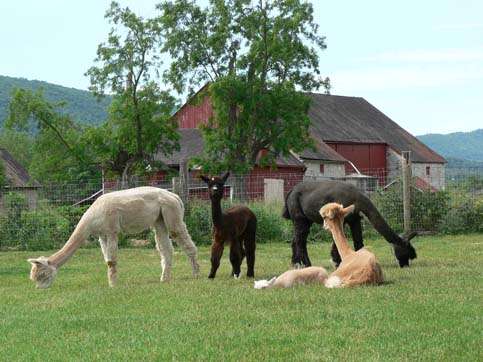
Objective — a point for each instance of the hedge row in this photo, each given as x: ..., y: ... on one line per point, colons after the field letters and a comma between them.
x: 49, y: 227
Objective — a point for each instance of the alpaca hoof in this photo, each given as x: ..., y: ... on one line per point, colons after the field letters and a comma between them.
x: 211, y: 276
x: 165, y: 279
x: 298, y: 266
x: 236, y: 276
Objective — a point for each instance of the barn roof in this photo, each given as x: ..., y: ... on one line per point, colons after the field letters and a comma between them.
x: 322, y: 152
x: 191, y: 144
x: 16, y: 174
x: 353, y: 119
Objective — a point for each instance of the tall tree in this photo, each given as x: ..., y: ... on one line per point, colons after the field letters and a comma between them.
x: 57, y: 154
x: 139, y: 121
x: 258, y: 55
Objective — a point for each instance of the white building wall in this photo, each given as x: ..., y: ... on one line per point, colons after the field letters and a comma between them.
x: 436, y: 177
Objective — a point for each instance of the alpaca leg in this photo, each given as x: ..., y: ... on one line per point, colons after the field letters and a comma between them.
x: 109, y: 250
x: 216, y: 253
x: 178, y: 231
x: 235, y: 258
x: 356, y: 231
x: 335, y: 255
x: 250, y: 246
x: 299, y: 245
x: 165, y: 249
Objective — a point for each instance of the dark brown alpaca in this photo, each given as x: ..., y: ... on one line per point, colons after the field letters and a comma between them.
x: 236, y: 226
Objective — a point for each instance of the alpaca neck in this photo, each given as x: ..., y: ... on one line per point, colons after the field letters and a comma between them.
x: 79, y: 235
x: 340, y: 240
x: 216, y: 212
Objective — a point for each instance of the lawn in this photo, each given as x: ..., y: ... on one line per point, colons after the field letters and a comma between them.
x: 430, y: 311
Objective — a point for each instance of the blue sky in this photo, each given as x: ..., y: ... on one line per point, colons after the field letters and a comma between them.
x: 419, y: 62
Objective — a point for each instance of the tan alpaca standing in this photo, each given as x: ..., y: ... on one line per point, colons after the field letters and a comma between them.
x: 357, y: 267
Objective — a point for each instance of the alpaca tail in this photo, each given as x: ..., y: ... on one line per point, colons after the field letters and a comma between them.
x: 261, y: 284
x: 285, y: 212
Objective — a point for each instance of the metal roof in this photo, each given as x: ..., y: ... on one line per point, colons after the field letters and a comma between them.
x: 353, y: 119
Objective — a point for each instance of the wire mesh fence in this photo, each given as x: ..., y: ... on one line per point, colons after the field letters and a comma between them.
x: 43, y: 217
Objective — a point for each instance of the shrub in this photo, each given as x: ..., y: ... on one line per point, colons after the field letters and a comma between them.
x: 465, y: 215
x: 427, y: 207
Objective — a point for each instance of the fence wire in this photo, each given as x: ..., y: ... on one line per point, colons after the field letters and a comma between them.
x: 447, y: 201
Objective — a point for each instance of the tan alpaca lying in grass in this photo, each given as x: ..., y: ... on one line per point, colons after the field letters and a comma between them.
x: 312, y: 274
x: 357, y: 267
x: 129, y: 211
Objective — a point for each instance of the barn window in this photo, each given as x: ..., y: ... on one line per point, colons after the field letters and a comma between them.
x: 428, y: 170
x: 321, y: 168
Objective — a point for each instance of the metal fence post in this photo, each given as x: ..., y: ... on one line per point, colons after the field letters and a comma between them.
x: 406, y: 182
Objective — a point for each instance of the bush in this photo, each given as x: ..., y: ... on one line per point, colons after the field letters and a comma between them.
x: 427, y: 208
x: 271, y: 226
x: 465, y: 215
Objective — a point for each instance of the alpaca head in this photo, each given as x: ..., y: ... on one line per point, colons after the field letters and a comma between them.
x: 42, y: 272
x: 334, y: 214
x: 216, y: 185
x: 403, y: 250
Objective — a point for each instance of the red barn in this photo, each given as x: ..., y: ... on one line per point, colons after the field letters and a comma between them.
x: 353, y: 140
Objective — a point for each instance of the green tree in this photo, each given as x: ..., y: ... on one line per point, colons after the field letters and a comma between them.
x: 257, y: 55
x: 139, y: 122
x: 19, y: 144
x: 57, y: 154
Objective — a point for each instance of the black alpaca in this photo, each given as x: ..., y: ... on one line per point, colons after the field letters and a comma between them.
x: 302, y: 206
x: 236, y: 226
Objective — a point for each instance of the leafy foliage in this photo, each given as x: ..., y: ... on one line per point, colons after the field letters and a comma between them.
x: 19, y: 144
x: 139, y: 122
x: 257, y: 55
x: 57, y: 154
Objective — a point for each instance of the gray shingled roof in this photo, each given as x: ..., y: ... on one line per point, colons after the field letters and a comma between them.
x: 191, y: 144
x: 322, y: 152
x: 16, y: 174
x: 353, y: 119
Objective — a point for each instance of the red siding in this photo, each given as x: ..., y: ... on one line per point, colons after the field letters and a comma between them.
x: 254, y: 181
x: 291, y: 176
x: 369, y: 158
x: 191, y: 115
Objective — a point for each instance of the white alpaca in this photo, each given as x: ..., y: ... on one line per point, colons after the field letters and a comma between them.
x: 312, y: 274
x: 129, y: 211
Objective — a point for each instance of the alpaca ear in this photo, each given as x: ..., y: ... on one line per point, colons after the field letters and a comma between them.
x: 204, y: 178
x: 39, y: 261
x: 411, y: 235
x: 225, y: 176
x: 348, y: 210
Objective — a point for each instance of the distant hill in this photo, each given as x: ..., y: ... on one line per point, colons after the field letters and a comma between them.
x: 81, y: 105
x: 461, y: 146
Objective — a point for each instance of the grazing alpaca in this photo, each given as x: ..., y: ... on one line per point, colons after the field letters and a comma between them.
x: 357, y: 267
x: 312, y: 274
x: 130, y: 211
x: 234, y: 225
x: 302, y: 206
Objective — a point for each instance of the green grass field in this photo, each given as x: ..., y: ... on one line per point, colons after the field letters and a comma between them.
x: 431, y: 311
